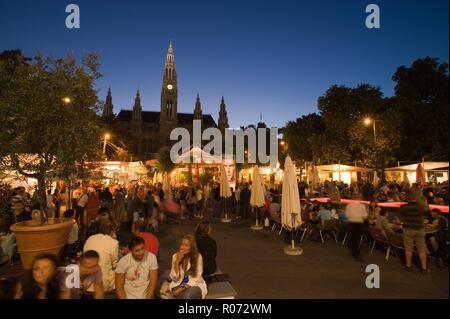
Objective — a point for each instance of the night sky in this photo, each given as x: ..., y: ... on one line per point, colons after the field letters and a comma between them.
x: 269, y: 57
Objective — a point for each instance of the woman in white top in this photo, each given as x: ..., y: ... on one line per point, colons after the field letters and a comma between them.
x: 186, y: 273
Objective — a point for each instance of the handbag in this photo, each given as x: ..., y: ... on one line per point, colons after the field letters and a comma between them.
x: 165, y: 292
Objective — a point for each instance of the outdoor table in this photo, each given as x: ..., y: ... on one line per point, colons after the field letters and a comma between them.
x: 428, y: 230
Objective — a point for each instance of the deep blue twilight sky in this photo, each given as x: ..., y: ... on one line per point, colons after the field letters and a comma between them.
x: 269, y: 57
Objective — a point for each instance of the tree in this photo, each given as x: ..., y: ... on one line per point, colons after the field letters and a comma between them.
x: 298, y: 133
x: 48, y: 121
x: 165, y: 163
x: 206, y: 177
x: 422, y: 90
x: 346, y: 138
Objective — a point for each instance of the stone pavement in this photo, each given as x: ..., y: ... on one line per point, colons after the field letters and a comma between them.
x: 258, y: 268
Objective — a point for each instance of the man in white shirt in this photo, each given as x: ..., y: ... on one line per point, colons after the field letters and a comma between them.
x: 81, y: 204
x: 108, y: 250
x: 137, y: 272
x: 356, y: 213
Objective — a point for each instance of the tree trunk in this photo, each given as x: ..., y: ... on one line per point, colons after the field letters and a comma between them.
x: 40, y: 192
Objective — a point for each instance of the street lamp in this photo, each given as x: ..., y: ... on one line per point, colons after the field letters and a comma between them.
x: 105, y: 137
x: 367, y: 122
x: 66, y: 100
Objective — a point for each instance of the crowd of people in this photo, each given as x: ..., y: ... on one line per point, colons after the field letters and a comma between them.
x: 355, y: 220
x: 435, y: 193
x: 106, y: 269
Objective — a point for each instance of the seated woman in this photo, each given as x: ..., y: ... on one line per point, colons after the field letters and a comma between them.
x: 7, y: 240
x: 42, y: 280
x: 207, y: 247
x: 10, y: 288
x: 373, y: 212
x: 186, y: 273
x: 382, y: 223
x: 437, y: 220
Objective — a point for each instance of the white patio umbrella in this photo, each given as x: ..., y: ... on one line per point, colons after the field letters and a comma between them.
x: 290, y: 205
x: 406, y: 179
x: 225, y: 192
x: 375, y: 178
x: 257, y: 198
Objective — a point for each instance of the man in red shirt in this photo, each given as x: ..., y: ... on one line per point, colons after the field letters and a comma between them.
x: 151, y: 241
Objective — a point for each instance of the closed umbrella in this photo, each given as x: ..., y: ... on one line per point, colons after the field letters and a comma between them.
x: 225, y: 192
x: 406, y: 179
x: 290, y: 205
x: 257, y: 199
x: 375, y: 178
x: 420, y: 175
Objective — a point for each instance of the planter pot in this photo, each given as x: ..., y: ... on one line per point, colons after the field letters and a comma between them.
x: 34, y: 239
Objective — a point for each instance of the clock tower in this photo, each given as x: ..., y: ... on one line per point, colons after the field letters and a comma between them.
x: 169, y: 99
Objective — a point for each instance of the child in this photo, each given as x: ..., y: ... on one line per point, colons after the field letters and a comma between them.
x: 73, y: 235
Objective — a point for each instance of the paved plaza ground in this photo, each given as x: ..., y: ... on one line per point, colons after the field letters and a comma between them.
x: 258, y: 268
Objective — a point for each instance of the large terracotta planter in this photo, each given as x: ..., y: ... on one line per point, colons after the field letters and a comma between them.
x: 34, y: 239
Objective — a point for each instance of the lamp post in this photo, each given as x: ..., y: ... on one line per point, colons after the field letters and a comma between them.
x: 105, y: 138
x: 367, y: 122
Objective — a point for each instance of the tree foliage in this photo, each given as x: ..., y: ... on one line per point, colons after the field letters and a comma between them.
x: 409, y: 125
x: 423, y: 89
x: 40, y: 134
x: 164, y: 163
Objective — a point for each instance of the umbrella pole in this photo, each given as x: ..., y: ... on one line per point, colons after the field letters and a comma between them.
x: 292, y: 232
x: 257, y: 226
x: 292, y: 250
x: 225, y: 219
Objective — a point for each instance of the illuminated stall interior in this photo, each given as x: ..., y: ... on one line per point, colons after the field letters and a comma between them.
x: 339, y: 172
x: 434, y: 171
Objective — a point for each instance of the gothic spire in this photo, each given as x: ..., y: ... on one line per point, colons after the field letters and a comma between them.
x: 137, y: 108
x: 108, y: 106
x: 223, y: 117
x: 198, y: 109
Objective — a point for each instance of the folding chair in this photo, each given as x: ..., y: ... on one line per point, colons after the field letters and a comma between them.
x: 377, y: 236
x: 395, y: 241
x: 330, y: 226
x: 276, y: 221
